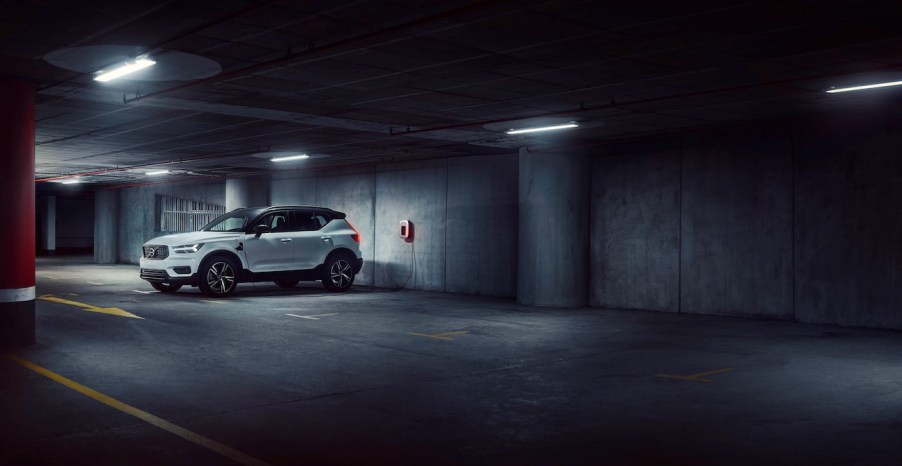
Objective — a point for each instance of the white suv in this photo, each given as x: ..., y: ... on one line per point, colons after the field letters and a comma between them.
x: 284, y: 244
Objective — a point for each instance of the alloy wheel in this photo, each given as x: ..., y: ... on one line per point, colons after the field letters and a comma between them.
x: 220, y: 278
x: 340, y: 274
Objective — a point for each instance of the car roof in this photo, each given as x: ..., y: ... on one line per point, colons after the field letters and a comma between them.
x: 326, y: 210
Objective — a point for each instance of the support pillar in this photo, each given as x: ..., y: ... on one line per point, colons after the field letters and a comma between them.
x: 48, y: 224
x: 246, y: 192
x: 553, y: 269
x: 106, y: 226
x: 17, y: 209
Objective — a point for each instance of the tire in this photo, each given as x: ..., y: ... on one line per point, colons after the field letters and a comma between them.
x: 339, y: 273
x: 286, y: 283
x: 165, y: 287
x: 218, y: 276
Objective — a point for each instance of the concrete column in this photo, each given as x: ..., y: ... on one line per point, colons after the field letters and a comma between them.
x: 106, y: 226
x: 48, y: 222
x: 17, y: 210
x: 246, y: 192
x: 553, y: 265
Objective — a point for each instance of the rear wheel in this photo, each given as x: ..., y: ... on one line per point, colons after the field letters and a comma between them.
x: 286, y: 283
x: 218, y: 276
x: 165, y: 287
x: 339, y: 273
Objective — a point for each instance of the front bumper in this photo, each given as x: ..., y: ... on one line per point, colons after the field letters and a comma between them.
x: 174, y: 270
x: 161, y: 276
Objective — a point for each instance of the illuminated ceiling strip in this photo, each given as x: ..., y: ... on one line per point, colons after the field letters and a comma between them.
x: 543, y: 128
x: 290, y: 157
x: 124, y: 69
x: 867, y: 86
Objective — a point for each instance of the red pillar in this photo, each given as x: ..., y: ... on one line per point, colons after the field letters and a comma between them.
x: 17, y: 213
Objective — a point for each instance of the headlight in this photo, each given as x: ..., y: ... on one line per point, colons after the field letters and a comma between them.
x: 188, y: 248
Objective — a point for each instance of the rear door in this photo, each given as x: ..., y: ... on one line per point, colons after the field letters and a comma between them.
x: 273, y: 251
x: 312, y: 246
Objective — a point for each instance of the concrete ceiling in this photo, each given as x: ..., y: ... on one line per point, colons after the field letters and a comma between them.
x: 356, y: 82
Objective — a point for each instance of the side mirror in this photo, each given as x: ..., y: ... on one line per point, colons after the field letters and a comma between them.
x: 260, y: 229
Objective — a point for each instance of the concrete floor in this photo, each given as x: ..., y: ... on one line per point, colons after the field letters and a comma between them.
x: 430, y: 378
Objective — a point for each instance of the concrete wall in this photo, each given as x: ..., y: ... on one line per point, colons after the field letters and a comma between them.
x: 798, y: 220
x: 737, y: 223
x: 481, y: 236
x: 137, y: 220
x: 635, y: 224
x: 463, y: 210
x: 553, y: 266
x: 252, y: 191
x: 848, y: 221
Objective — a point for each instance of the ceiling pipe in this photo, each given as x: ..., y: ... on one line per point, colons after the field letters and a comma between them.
x: 312, y: 49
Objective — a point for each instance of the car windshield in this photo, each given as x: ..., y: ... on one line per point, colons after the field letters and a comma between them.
x: 234, y: 221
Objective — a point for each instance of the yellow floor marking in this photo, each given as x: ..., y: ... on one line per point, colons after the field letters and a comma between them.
x: 313, y: 317
x: 437, y: 336
x: 186, y: 434
x: 87, y: 307
x: 695, y: 377
x: 214, y: 301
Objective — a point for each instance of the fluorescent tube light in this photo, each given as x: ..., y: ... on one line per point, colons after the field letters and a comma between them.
x: 866, y: 86
x: 124, y: 69
x: 289, y: 157
x: 543, y: 128
x: 158, y: 172
x: 71, y: 181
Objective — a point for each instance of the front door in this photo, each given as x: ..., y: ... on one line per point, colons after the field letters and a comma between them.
x: 273, y: 251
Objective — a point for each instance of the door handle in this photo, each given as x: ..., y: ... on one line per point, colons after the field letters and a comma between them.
x: 285, y: 240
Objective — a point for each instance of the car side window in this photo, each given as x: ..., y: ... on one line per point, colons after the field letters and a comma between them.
x: 277, y: 222
x: 306, y: 220
x: 321, y: 220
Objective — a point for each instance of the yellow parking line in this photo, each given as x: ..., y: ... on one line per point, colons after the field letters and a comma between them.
x: 90, y: 308
x: 186, y: 434
x: 437, y: 336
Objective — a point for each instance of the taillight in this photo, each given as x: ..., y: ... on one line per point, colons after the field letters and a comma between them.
x: 356, y: 235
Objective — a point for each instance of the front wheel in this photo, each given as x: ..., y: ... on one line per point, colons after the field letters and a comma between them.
x: 218, y: 276
x: 339, y: 273
x: 165, y: 287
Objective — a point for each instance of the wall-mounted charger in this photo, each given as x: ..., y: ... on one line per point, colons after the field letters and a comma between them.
x: 407, y: 230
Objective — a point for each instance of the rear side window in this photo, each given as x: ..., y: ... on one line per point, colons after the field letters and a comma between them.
x: 310, y: 221
x: 321, y: 220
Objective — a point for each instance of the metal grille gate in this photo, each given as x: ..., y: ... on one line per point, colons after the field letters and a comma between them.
x: 180, y: 215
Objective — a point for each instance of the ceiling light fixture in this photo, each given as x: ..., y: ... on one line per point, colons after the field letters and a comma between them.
x: 543, y: 128
x: 126, y: 68
x: 289, y: 157
x: 866, y: 86
x: 158, y: 172
x: 71, y: 181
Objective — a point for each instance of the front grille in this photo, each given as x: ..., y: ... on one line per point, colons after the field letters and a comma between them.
x: 155, y: 252
x: 154, y: 275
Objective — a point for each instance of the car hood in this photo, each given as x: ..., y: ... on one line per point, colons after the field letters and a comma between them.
x: 193, y: 237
